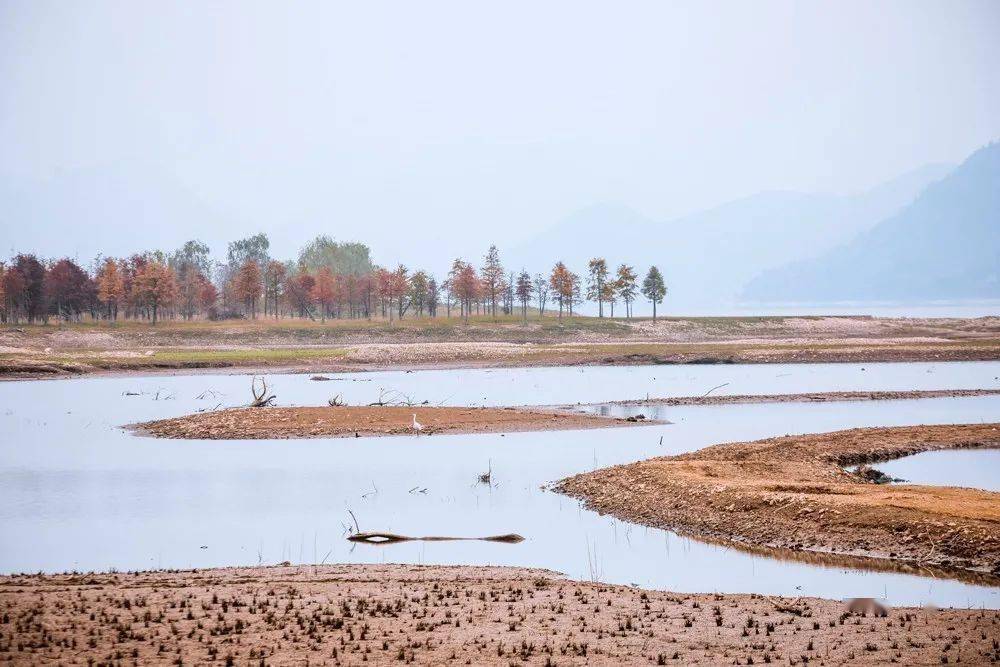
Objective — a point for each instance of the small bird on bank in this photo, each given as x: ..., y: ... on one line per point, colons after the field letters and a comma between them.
x: 417, y: 426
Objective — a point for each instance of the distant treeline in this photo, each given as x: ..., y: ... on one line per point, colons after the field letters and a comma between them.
x: 328, y: 280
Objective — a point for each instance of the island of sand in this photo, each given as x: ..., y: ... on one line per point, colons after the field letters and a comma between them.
x: 270, y: 423
x: 247, y: 423
x: 795, y: 493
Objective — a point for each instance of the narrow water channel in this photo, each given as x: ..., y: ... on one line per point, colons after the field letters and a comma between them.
x: 78, y: 493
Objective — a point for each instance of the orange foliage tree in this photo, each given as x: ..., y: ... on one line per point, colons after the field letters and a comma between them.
x: 465, y: 285
x: 323, y: 291
x: 247, y: 286
x: 561, y: 282
x: 110, y: 287
x: 154, y: 287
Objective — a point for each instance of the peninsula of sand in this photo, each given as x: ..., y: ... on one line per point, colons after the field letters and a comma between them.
x: 795, y: 493
x: 338, y: 421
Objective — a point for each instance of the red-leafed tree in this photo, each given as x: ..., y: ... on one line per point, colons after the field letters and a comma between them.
x: 13, y: 291
x: 399, y: 285
x: 323, y: 291
x: 207, y: 295
x: 392, y: 287
x: 68, y: 289
x: 32, y: 296
x: 299, y: 292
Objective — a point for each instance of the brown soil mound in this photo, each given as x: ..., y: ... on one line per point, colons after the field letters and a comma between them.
x: 792, y: 493
x: 392, y: 614
x: 312, y: 422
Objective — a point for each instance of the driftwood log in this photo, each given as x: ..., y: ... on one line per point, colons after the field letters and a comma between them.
x: 392, y: 538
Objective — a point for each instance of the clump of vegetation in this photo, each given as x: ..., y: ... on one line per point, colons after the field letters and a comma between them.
x: 875, y: 476
x: 487, y: 477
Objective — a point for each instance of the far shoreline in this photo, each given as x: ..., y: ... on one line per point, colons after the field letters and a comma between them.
x: 258, y: 346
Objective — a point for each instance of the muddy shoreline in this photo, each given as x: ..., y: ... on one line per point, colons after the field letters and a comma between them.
x: 811, y: 397
x: 349, y: 421
x: 40, y: 369
x: 387, y: 614
x: 792, y: 493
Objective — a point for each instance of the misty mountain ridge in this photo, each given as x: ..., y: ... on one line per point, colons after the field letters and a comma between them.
x: 708, y: 256
x: 711, y: 257
x: 943, y: 245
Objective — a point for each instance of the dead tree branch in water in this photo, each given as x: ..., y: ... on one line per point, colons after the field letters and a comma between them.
x: 260, y: 399
x: 388, y: 397
x: 357, y: 528
x: 720, y: 386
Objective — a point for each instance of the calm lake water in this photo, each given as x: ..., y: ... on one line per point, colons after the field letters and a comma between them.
x: 974, y: 468
x: 77, y: 492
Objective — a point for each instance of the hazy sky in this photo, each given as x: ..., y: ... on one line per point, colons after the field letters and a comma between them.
x: 430, y: 128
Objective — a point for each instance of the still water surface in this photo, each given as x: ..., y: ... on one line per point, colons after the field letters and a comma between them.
x: 974, y: 468
x: 77, y: 492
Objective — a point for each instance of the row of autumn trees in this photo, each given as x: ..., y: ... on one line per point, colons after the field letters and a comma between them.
x: 329, y: 280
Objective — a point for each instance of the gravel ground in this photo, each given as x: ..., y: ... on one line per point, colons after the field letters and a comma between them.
x: 392, y: 614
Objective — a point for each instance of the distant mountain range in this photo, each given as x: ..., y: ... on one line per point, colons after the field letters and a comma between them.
x: 943, y: 245
x: 708, y: 258
x: 930, y: 234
